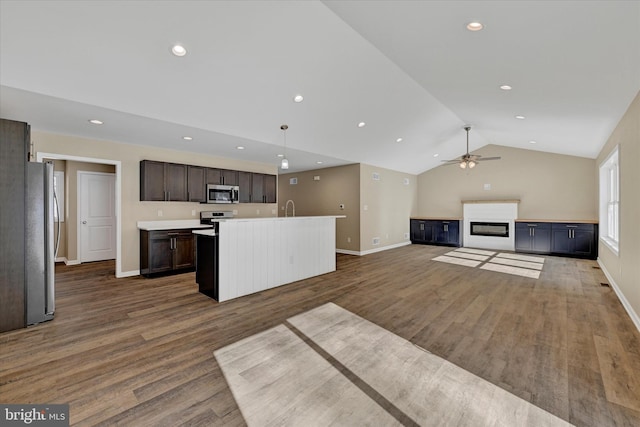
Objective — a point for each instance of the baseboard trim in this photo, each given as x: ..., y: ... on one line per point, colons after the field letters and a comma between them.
x: 61, y: 259
x: 625, y: 303
x: 72, y: 261
x: 347, y: 252
x: 131, y: 273
x: 372, y: 251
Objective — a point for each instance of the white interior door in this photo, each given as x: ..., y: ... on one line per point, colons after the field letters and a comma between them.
x: 97, y: 218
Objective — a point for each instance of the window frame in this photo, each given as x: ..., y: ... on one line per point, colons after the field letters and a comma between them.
x: 609, y: 172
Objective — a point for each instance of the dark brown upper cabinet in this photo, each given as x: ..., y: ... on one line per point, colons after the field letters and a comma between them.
x: 160, y: 181
x: 196, y: 185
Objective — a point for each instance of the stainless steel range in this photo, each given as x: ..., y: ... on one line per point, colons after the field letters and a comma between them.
x: 212, y: 217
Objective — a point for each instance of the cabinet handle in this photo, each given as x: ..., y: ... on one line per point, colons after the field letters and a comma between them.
x: 446, y: 227
x: 168, y: 196
x: 421, y: 227
x: 533, y: 232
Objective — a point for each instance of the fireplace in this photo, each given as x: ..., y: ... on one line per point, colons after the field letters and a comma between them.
x: 490, y: 224
x: 494, y: 229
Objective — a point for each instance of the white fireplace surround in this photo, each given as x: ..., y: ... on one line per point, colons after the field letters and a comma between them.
x: 490, y: 211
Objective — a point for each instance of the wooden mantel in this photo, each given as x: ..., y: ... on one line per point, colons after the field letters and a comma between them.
x: 490, y: 201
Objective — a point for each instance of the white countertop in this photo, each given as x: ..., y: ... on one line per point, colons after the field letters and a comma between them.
x: 171, y: 224
x: 278, y: 218
x: 207, y: 232
x: 195, y: 223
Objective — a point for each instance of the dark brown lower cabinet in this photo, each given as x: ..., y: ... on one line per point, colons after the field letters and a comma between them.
x: 164, y: 251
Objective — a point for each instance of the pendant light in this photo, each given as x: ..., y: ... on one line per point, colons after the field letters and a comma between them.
x: 285, y: 163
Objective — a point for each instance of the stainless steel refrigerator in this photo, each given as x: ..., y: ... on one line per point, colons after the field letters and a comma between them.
x: 40, y: 242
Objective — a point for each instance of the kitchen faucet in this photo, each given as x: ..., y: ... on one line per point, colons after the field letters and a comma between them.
x: 293, y: 208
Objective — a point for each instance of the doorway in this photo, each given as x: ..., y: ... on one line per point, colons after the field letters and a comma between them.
x: 118, y: 205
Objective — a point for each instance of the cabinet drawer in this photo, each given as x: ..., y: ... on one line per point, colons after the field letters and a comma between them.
x: 574, y: 225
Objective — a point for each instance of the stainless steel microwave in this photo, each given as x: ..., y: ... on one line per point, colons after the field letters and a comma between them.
x: 222, y: 193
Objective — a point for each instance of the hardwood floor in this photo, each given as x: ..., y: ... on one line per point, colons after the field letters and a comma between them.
x: 139, y: 351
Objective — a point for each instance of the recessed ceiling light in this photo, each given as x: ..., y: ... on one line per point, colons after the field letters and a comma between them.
x: 532, y: 142
x: 187, y: 138
x: 240, y: 147
x: 399, y: 140
x: 436, y: 155
x: 361, y: 124
x: 279, y: 155
x: 318, y: 162
x: 298, y: 98
x: 178, y: 50
x: 96, y: 122
x: 474, y: 26
x: 520, y: 117
x: 506, y: 87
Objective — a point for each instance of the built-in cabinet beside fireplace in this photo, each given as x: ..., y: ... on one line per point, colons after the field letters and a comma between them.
x: 431, y: 231
x: 574, y: 239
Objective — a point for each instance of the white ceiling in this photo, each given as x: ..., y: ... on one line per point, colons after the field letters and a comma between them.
x: 408, y: 69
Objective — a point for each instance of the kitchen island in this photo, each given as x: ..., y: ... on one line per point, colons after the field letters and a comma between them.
x: 243, y: 256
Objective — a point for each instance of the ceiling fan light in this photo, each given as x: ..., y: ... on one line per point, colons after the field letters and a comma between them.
x: 463, y: 164
x: 284, y: 164
x: 472, y: 164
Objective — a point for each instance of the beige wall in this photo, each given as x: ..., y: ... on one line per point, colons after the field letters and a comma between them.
x: 624, y: 268
x: 132, y: 209
x: 386, y: 204
x: 549, y: 186
x: 374, y: 208
x: 337, y: 185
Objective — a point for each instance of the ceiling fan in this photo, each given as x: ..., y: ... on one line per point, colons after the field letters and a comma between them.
x: 469, y: 160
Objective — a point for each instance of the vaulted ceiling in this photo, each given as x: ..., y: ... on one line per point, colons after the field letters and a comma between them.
x: 408, y: 69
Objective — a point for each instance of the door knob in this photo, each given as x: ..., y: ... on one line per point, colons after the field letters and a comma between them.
x: 84, y: 222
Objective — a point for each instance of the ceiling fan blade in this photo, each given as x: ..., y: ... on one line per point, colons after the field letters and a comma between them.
x: 451, y: 161
x: 488, y: 158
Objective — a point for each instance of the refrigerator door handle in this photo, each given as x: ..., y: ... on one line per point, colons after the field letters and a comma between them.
x: 57, y: 244
x: 50, y: 300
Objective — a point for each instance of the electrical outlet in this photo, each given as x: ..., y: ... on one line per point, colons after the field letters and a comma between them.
x: 348, y: 239
x: 406, y: 235
x: 365, y: 208
x: 235, y: 212
x: 257, y: 211
x: 193, y: 212
x: 375, y: 241
x: 159, y: 212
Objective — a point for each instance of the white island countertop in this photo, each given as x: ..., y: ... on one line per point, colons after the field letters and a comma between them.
x: 277, y: 218
x: 171, y: 224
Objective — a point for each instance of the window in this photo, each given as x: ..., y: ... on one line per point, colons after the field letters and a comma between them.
x: 610, y: 201
x: 58, y: 188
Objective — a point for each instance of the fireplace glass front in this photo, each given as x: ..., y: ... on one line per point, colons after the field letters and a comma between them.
x: 493, y: 229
